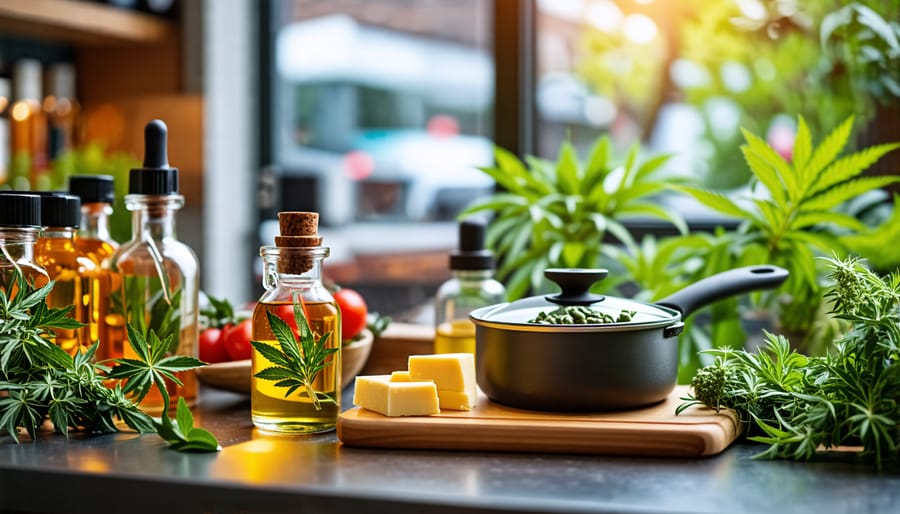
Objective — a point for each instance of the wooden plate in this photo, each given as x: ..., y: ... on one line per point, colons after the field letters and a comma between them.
x: 235, y: 376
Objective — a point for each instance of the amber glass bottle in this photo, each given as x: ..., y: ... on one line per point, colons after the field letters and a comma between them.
x: 287, y: 284
x: 156, y: 276
x: 94, y: 241
x: 75, y: 275
x: 20, y: 223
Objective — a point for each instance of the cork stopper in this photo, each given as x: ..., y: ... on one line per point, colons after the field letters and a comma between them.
x: 298, y: 223
x: 298, y: 230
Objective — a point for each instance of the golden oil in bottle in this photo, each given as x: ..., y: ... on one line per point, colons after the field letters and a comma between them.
x: 93, y: 240
x: 455, y: 336
x: 297, y: 412
x: 292, y: 278
x: 75, y: 275
x: 471, y: 286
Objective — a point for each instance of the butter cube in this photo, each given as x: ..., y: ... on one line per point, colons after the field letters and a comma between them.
x: 450, y: 371
x: 455, y: 400
x: 400, y: 376
x: 377, y: 393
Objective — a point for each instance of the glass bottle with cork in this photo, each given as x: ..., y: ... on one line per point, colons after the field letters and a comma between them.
x: 20, y: 225
x: 75, y: 274
x: 93, y: 240
x: 472, y: 286
x: 156, y: 276
x: 292, y: 278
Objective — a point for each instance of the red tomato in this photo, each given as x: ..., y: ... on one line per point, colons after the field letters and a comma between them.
x: 211, y: 346
x: 353, y: 312
x: 286, y: 313
x: 237, y: 340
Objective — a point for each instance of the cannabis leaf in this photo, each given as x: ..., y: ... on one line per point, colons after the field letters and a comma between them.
x: 42, y: 381
x: 296, y: 365
x: 800, y: 404
x: 791, y: 217
x: 153, y: 367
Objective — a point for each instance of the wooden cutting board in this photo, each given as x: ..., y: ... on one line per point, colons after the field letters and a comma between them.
x: 652, y: 431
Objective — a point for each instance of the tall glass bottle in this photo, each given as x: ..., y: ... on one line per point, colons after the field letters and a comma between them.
x: 471, y: 286
x: 157, y: 276
x: 20, y: 224
x: 94, y: 241
x: 75, y: 274
x: 288, y: 284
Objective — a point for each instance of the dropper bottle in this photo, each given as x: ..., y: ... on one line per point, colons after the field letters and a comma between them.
x: 472, y: 286
x: 156, y: 276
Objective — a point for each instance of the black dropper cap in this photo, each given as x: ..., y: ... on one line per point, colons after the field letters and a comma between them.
x: 155, y: 177
x: 472, y: 254
x: 60, y: 209
x: 92, y: 188
x: 20, y: 210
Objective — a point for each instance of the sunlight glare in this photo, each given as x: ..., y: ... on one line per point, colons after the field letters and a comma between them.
x: 640, y: 28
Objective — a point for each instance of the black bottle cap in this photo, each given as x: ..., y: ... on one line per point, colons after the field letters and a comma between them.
x: 472, y: 254
x: 156, y: 177
x: 92, y: 188
x: 20, y: 210
x: 60, y: 209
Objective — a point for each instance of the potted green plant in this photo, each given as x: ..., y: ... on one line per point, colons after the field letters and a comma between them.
x: 557, y: 214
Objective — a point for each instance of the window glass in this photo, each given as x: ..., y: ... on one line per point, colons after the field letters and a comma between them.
x: 684, y: 76
x: 384, y: 106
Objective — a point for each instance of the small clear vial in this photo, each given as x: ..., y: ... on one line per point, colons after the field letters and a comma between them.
x: 20, y: 224
x: 472, y: 286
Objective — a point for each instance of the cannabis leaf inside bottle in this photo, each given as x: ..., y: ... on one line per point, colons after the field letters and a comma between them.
x: 296, y: 365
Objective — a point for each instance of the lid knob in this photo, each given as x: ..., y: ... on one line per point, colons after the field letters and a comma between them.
x: 575, y: 284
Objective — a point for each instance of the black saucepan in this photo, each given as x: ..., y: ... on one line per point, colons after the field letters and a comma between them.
x: 594, y: 367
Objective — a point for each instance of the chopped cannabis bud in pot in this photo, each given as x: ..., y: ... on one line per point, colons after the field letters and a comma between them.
x: 579, y: 315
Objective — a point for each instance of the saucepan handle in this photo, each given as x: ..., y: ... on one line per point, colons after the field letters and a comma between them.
x: 722, y: 285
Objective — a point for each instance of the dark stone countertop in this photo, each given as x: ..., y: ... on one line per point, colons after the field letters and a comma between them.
x: 258, y: 472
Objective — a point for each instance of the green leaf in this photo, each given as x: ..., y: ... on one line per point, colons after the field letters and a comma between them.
x: 597, y: 166
x: 840, y: 193
x: 183, y: 417
x: 716, y: 202
x: 766, y: 173
x: 494, y: 203
x: 801, y: 152
x: 828, y: 150
x: 654, y: 211
x: 809, y: 219
x: 850, y: 166
x: 567, y: 172
x: 650, y: 166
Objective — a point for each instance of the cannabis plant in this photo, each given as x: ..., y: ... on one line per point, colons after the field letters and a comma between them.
x: 792, y: 215
x: 558, y: 214
x: 802, y: 405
